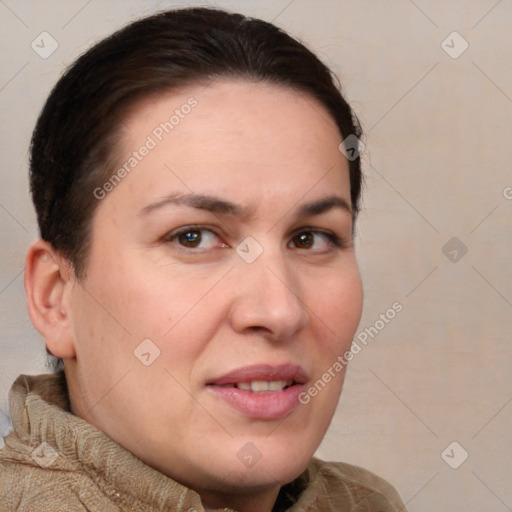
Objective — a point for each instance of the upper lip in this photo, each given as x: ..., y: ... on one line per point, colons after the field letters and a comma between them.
x: 263, y: 372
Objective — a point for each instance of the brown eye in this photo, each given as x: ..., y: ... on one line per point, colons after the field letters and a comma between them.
x: 314, y: 240
x: 195, y: 237
x: 304, y: 240
x: 191, y: 238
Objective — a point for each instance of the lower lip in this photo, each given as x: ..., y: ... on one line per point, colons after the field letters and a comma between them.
x: 261, y: 406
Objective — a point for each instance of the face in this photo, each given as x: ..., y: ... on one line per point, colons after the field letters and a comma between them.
x: 227, y: 247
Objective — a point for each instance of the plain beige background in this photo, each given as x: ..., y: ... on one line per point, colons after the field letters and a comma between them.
x: 439, y: 139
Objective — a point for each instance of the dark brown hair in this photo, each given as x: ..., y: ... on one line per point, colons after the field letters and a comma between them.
x: 74, y: 141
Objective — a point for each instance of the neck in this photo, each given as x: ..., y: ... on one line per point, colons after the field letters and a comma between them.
x: 255, y: 502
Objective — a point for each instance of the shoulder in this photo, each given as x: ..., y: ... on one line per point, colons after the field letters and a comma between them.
x: 26, y: 487
x: 349, y: 487
x: 34, y: 476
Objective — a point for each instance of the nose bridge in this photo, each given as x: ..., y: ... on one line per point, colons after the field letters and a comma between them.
x: 269, y: 296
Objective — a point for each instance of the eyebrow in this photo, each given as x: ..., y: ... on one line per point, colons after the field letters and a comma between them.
x: 199, y: 201
x: 220, y: 206
x: 323, y: 205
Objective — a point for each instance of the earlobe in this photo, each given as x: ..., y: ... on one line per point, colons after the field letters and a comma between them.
x: 48, y: 281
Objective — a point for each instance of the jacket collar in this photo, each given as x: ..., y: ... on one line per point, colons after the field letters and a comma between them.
x: 41, y: 417
x: 43, y: 422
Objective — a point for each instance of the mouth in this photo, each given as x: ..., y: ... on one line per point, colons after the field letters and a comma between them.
x: 262, y: 392
x: 262, y: 386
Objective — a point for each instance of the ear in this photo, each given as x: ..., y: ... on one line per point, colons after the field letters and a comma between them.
x: 49, y: 279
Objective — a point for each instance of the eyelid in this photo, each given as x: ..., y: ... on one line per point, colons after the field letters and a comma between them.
x: 190, y: 227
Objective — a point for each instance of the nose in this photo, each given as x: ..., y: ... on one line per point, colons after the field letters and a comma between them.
x: 268, y: 299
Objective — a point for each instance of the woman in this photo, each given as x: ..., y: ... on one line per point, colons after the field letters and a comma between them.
x: 196, y: 196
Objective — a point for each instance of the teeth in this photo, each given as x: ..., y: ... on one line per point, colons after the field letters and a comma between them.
x: 261, y: 386
x: 276, y: 385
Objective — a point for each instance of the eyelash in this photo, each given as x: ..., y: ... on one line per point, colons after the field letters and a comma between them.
x: 334, y: 240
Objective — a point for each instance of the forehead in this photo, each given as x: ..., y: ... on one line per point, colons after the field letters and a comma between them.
x: 231, y: 137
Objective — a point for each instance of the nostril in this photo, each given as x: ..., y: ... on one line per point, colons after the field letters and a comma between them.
x: 259, y: 329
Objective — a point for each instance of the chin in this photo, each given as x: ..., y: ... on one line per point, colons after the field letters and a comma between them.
x: 271, y: 456
x: 266, y: 463
x: 261, y: 476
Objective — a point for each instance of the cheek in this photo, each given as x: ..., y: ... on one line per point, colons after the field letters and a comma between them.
x: 337, y: 306
x: 128, y: 301
x: 133, y: 298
